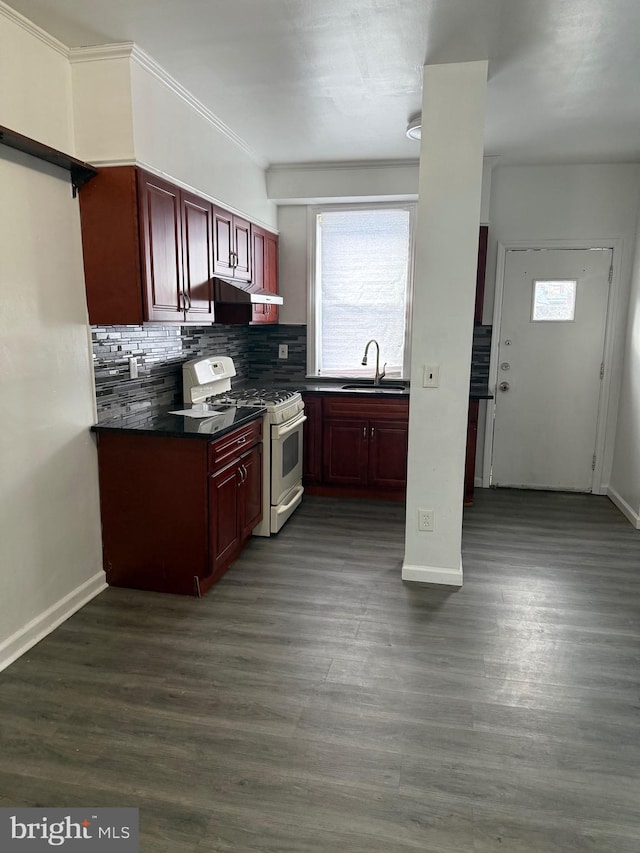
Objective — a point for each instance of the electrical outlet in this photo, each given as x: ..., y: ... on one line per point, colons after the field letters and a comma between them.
x: 283, y: 351
x: 425, y: 520
x: 431, y: 376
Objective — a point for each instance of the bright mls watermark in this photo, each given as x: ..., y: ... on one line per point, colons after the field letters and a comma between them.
x: 104, y: 830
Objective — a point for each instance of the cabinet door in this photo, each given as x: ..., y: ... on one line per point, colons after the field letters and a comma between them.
x: 271, y: 274
x: 197, y: 257
x: 388, y: 446
x: 265, y: 272
x: 345, y: 452
x: 242, y: 248
x: 223, y: 247
x: 250, y: 498
x: 162, y: 248
x: 224, y: 530
x: 259, y: 313
x: 313, y: 440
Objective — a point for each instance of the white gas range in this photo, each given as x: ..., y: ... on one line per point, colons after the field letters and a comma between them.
x: 207, y: 382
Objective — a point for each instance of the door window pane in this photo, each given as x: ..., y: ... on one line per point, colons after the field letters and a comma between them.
x: 554, y: 300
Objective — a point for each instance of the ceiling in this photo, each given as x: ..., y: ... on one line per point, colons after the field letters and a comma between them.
x: 336, y: 80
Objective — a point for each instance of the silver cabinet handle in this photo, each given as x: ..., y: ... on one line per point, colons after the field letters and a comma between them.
x: 242, y: 439
x: 187, y: 300
x: 364, y: 432
x: 373, y: 429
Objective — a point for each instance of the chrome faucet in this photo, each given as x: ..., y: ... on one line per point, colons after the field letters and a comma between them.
x: 378, y: 376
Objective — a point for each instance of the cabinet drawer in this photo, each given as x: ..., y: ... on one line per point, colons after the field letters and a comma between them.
x: 365, y: 407
x: 234, y: 443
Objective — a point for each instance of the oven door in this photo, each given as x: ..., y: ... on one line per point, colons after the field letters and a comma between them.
x: 286, y: 457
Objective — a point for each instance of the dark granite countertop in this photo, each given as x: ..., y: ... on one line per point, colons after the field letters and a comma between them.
x: 335, y: 386
x: 179, y: 426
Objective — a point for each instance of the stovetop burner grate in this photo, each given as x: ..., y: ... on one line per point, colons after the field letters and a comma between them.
x: 256, y: 397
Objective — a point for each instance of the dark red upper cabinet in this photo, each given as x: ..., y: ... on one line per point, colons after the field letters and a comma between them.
x: 161, y: 235
x: 197, y: 254
x: 264, y: 247
x: 231, y: 245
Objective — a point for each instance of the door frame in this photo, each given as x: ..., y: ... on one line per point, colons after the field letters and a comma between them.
x: 605, y: 427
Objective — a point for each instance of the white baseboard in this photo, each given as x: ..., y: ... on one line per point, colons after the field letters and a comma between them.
x: 23, y: 639
x: 477, y: 482
x: 432, y: 574
x: 624, y: 507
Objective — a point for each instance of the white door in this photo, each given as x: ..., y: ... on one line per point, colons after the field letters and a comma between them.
x: 552, y: 329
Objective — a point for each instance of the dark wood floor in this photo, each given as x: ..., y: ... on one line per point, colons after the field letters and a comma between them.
x: 313, y: 702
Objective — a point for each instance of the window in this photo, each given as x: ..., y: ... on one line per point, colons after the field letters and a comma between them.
x: 554, y: 301
x: 361, y: 290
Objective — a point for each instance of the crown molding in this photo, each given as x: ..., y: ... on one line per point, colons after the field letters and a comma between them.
x: 101, y: 52
x: 33, y: 29
x: 130, y: 50
x: 152, y: 67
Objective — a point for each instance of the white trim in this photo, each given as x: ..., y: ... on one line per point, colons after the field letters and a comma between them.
x: 313, y: 333
x: 34, y: 30
x: 120, y: 161
x: 102, y: 52
x: 349, y: 165
x: 149, y: 64
x: 604, y: 428
x: 432, y: 574
x: 312, y: 355
x: 625, y: 508
x: 125, y: 50
x: 35, y: 630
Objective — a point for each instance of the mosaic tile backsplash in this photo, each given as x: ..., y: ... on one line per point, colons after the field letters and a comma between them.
x: 161, y: 350
x: 480, y: 355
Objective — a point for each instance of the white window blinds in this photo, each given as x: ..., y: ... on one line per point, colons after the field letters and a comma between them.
x: 363, y: 260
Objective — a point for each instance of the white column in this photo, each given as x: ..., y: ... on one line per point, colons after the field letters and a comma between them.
x: 450, y: 188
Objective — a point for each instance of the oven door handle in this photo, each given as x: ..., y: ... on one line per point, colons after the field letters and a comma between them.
x: 282, y: 430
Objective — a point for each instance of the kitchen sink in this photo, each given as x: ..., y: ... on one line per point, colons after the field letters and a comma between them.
x: 387, y: 388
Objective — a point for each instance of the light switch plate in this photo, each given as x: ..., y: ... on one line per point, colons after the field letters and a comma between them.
x: 431, y: 376
x: 283, y: 351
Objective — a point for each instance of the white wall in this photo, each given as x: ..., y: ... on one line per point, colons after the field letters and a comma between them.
x: 327, y: 183
x: 102, y: 106
x: 293, y: 270
x: 571, y: 202
x: 35, y: 91
x: 442, y: 324
x: 50, y: 549
x: 624, y: 486
x: 129, y: 110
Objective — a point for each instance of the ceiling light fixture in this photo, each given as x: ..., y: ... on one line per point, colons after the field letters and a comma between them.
x: 414, y: 128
